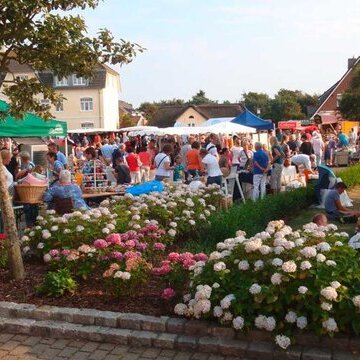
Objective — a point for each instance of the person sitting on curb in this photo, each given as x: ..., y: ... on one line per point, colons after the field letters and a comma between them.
x: 335, y: 210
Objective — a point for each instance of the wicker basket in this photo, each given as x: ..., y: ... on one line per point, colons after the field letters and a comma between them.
x: 30, y: 194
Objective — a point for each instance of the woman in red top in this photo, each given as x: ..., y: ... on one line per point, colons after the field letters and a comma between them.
x: 193, y: 160
x: 134, y: 164
x: 145, y: 159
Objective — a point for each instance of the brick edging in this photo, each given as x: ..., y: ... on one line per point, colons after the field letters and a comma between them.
x: 165, y: 332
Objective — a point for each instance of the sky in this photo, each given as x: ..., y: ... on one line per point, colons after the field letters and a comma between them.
x: 230, y: 47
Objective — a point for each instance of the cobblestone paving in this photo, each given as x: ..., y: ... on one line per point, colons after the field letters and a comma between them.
x: 22, y: 347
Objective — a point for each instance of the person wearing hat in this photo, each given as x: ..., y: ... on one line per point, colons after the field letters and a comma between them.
x: 335, y: 210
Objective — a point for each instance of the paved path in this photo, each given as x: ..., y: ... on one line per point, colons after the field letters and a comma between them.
x: 22, y: 347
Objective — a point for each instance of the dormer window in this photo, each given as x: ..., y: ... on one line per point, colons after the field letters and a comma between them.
x: 79, y: 81
x: 61, y: 82
x: 21, y: 77
x: 45, y: 103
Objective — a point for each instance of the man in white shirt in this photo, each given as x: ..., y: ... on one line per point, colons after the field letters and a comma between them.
x: 318, y: 146
x: 212, y: 168
x: 211, y: 146
x: 352, y: 137
x: 302, y: 159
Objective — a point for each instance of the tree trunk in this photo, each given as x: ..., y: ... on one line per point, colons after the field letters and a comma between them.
x: 16, y: 265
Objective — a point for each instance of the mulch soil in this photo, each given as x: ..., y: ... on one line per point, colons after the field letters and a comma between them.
x: 89, y: 294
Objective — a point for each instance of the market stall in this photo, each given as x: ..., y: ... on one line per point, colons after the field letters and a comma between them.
x: 247, y: 118
x: 30, y: 126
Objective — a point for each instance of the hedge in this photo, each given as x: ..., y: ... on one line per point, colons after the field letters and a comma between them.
x: 252, y: 217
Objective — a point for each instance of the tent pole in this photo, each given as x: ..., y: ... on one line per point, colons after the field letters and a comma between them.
x: 66, y: 147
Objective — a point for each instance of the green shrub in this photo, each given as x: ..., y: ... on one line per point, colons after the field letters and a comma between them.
x: 57, y: 283
x: 252, y: 217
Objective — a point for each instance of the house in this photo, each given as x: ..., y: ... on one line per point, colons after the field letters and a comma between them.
x: 135, y: 117
x: 193, y: 115
x: 125, y: 108
x: 89, y: 103
x: 327, y: 111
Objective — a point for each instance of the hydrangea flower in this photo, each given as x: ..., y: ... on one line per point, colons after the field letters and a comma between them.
x: 302, y: 290
x: 329, y: 293
x: 291, y: 317
x: 255, y: 289
x: 282, y: 341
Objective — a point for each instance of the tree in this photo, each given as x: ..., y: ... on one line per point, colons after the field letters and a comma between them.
x: 285, y: 106
x: 126, y: 120
x: 37, y: 33
x: 258, y: 101
x: 172, y: 102
x: 200, y: 98
x: 350, y: 101
x: 149, y: 110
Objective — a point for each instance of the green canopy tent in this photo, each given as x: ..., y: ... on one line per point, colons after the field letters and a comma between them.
x: 30, y: 126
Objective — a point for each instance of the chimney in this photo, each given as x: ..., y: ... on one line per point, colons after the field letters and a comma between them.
x: 351, y: 62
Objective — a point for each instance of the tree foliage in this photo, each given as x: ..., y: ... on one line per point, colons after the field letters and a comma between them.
x: 286, y: 104
x: 38, y: 33
x: 126, y: 120
x: 200, y: 98
x: 350, y: 101
x: 258, y: 101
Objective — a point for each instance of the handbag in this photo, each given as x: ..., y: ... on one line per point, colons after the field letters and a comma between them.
x: 287, y: 162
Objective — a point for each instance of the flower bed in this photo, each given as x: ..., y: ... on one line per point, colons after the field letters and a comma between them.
x: 119, y: 242
x: 280, y: 280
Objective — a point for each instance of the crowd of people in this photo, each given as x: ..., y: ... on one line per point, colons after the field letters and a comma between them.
x: 144, y: 158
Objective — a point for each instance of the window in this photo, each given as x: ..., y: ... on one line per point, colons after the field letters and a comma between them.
x: 86, y: 104
x: 87, y: 125
x: 45, y: 102
x: 61, y: 82
x: 338, y: 99
x: 79, y: 81
x: 21, y: 77
x: 59, y: 106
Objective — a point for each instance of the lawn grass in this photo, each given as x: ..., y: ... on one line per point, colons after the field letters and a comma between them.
x: 306, y: 215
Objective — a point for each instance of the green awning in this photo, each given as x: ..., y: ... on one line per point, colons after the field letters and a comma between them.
x: 30, y: 126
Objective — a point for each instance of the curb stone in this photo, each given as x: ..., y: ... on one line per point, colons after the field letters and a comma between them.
x: 167, y: 333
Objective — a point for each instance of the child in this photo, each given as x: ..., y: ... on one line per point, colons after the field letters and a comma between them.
x: 320, y: 219
x: 122, y: 172
x: 178, y: 169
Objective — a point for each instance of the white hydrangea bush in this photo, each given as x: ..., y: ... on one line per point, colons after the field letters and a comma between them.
x: 280, y: 280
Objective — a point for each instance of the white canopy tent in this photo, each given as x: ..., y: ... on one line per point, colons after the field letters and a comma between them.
x: 91, y: 131
x: 214, y: 121
x: 139, y: 128
x: 231, y: 128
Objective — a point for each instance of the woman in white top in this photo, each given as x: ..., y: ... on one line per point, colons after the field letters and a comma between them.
x: 245, y: 156
x: 6, y: 158
x: 162, y: 163
x: 235, y: 152
x: 214, y: 174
